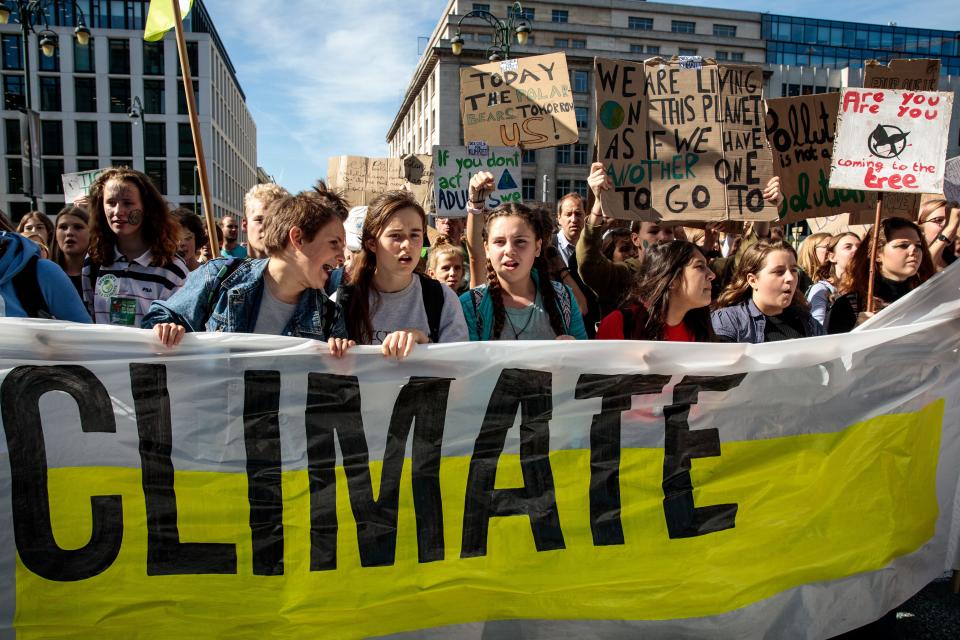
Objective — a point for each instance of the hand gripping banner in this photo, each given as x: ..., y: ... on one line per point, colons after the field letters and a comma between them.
x: 253, y: 486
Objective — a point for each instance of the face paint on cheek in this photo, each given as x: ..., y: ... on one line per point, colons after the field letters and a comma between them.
x: 135, y: 217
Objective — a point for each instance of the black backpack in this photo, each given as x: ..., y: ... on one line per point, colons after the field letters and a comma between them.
x: 432, y: 302
x: 26, y: 285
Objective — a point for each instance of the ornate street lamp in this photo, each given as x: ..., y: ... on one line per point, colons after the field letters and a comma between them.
x: 136, y: 109
x: 31, y: 14
x: 503, y: 32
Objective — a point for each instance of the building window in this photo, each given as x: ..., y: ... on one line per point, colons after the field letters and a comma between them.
x: 154, y: 139
x: 522, y: 14
x: 12, y: 55
x: 52, y: 172
x: 13, y: 93
x: 578, y: 44
x: 154, y: 96
x: 683, y: 26
x: 724, y: 30
x: 653, y: 49
x: 722, y: 55
x: 636, y: 48
x: 157, y: 170
x: 580, y: 187
x: 563, y: 188
x: 51, y: 138
x: 184, y: 140
x: 50, y: 93
x: 687, y: 52
x: 559, y: 16
x: 581, y: 81
x: 121, y: 139
x: 182, y: 97
x: 87, y: 164
x: 192, y: 58
x: 643, y: 24
x: 121, y: 162
x: 119, y: 95
x: 14, y: 176
x: 581, y: 113
x: 85, y: 95
x: 12, y: 130
x: 736, y: 56
x: 580, y: 153
x: 87, y: 139
x: 119, y: 56
x: 83, y: 57
x: 485, y: 38
x: 529, y: 156
x: 561, y: 43
x: 481, y: 7
x: 186, y: 177
x: 529, y: 189
x: 563, y: 154
x: 153, y: 58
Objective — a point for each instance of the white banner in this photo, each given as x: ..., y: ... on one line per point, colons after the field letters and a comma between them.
x: 595, y: 489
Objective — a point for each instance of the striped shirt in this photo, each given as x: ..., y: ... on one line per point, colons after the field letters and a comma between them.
x: 124, y: 290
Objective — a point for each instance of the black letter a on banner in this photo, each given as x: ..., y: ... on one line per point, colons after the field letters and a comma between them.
x: 531, y: 392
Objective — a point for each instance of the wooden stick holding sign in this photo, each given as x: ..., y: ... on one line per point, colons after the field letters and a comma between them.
x: 873, y: 252
x: 195, y: 130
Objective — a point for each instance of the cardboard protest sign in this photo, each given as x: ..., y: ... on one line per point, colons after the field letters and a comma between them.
x: 526, y: 102
x: 76, y: 185
x: 840, y: 223
x: 902, y: 74
x: 361, y: 179
x: 682, y: 144
x: 951, y: 180
x: 453, y: 166
x: 801, y: 131
x: 891, y: 140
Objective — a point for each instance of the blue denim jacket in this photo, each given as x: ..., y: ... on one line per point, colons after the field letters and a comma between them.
x: 744, y: 322
x: 234, y: 306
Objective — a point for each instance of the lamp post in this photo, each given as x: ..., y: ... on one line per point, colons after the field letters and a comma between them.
x: 31, y: 14
x: 503, y: 32
x: 136, y: 109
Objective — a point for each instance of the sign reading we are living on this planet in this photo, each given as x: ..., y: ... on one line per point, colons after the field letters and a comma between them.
x: 891, y: 140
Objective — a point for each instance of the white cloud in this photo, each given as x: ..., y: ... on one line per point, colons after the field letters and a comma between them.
x: 322, y: 78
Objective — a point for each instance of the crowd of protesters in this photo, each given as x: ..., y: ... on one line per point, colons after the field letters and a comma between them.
x: 314, y: 267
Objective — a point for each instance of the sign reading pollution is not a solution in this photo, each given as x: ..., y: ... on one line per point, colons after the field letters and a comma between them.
x: 683, y: 142
x: 525, y: 102
x: 453, y: 166
x: 891, y: 140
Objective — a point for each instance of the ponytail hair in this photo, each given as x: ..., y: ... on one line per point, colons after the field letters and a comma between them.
x: 541, y: 223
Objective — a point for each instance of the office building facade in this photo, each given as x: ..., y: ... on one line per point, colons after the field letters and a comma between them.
x: 795, y: 53
x: 120, y: 101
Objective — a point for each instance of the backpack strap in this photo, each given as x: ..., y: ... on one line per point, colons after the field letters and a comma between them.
x: 433, y: 304
x: 564, y: 298
x: 344, y: 293
x: 628, y: 321
x: 476, y: 295
x: 26, y: 285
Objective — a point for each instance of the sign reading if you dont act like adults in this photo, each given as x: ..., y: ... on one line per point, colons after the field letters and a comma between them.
x: 891, y: 140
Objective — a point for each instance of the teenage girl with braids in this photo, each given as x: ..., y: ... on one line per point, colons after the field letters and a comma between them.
x: 386, y: 303
x: 519, y: 301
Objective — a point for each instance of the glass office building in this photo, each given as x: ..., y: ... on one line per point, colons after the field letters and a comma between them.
x: 814, y: 42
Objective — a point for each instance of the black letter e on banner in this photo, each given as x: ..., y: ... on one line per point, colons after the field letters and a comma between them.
x: 684, y: 520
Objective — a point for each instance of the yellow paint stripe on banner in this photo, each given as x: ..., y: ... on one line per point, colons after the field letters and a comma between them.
x: 811, y: 508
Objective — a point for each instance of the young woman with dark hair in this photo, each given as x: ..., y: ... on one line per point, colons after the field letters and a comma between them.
x: 763, y: 303
x: 72, y: 230
x: 519, y: 300
x: 133, y: 248
x: 192, y: 237
x: 839, y: 250
x: 903, y: 264
x: 386, y: 303
x: 671, y: 300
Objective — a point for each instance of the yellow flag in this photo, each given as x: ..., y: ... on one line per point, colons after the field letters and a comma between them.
x: 160, y: 18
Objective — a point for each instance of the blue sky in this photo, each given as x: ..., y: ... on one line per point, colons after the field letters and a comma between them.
x: 326, y: 78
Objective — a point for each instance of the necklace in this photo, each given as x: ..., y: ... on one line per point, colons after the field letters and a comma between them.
x: 513, y: 327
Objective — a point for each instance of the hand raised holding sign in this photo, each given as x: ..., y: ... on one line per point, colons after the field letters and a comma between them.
x: 599, y: 180
x: 481, y: 186
x: 771, y: 193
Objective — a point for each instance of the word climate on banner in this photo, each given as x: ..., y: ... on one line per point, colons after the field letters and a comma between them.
x: 891, y: 140
x: 683, y: 142
x: 526, y: 102
x: 453, y: 166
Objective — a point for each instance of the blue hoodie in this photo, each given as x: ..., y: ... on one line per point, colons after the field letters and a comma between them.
x: 60, y: 294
